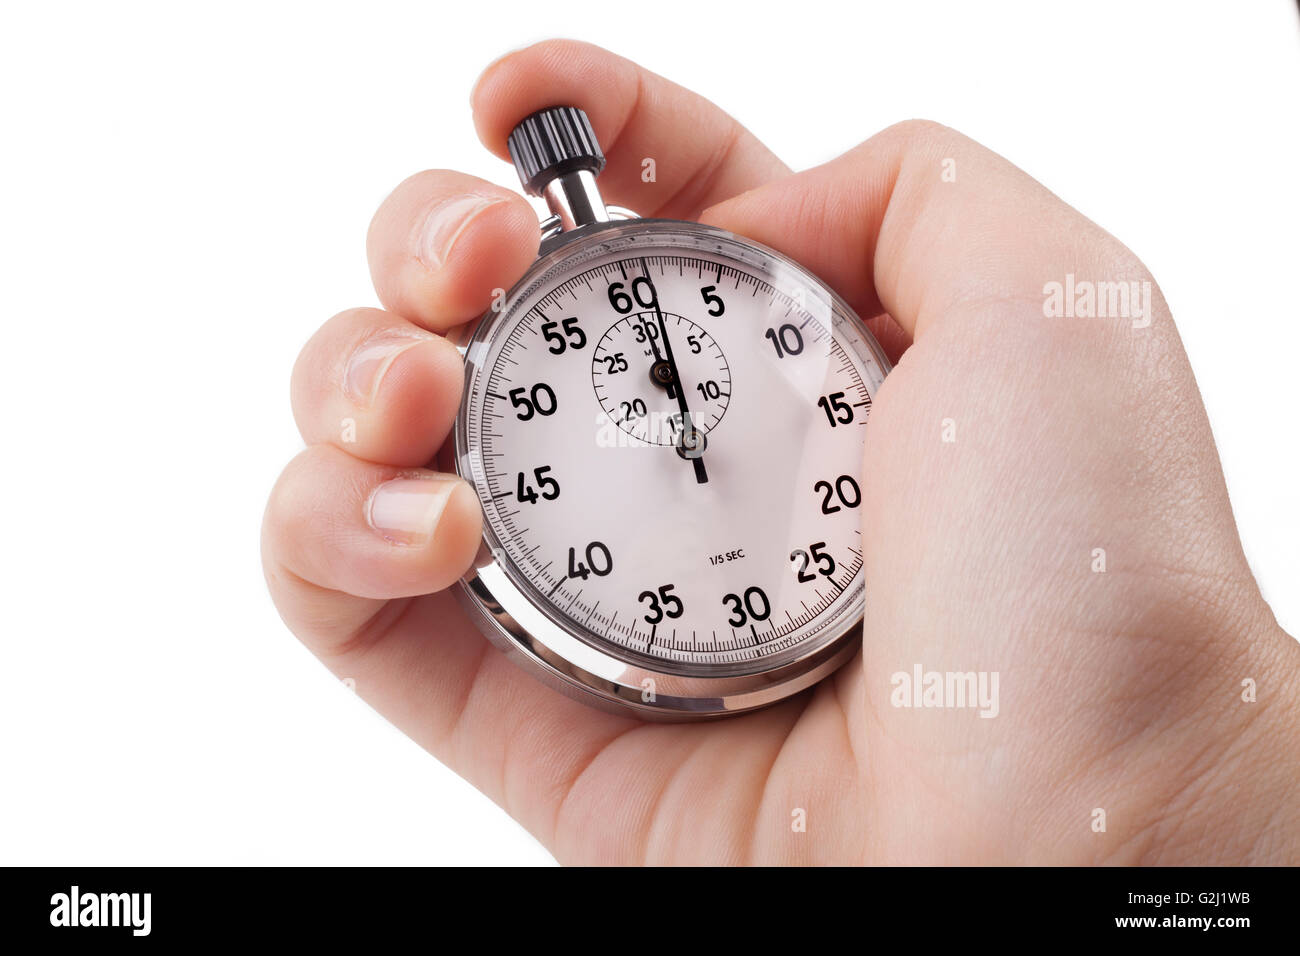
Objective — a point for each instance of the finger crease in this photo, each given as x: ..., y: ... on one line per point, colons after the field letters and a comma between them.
x: 587, y: 764
x: 767, y: 780
x: 389, y: 615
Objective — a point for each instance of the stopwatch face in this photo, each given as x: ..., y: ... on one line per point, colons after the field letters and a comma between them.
x: 664, y: 424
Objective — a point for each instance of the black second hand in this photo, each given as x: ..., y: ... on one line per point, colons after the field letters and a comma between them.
x: 701, y: 474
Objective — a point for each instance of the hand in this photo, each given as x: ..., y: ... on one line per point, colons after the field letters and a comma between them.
x: 1119, y: 690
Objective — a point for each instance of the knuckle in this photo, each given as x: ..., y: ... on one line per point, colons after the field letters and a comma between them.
x: 311, y: 504
x: 924, y: 133
x: 286, y: 493
x: 323, y: 355
x: 291, y: 496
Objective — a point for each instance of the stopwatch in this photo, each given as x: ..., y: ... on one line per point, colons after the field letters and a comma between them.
x: 664, y: 425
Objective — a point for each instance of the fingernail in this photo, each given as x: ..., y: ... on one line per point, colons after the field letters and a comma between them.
x: 406, y: 510
x: 444, y: 224
x: 367, y: 365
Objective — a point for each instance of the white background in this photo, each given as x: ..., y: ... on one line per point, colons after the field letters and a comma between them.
x: 184, y: 193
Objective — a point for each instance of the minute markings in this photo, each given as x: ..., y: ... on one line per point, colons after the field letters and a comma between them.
x: 584, y: 301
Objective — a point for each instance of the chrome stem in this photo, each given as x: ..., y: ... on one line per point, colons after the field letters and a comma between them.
x: 574, y: 198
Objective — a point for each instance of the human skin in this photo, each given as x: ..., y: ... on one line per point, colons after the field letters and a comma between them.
x: 1119, y: 690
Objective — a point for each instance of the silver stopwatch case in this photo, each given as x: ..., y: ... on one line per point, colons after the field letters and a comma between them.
x: 560, y: 166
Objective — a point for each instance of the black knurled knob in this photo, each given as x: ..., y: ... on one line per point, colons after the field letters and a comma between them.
x: 552, y: 142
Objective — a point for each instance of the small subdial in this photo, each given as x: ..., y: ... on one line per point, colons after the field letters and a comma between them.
x: 630, y: 370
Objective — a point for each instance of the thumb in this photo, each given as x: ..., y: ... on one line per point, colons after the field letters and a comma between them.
x: 1005, y: 454
x: 919, y: 221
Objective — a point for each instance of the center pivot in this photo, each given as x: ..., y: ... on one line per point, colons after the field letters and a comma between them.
x: 661, y: 373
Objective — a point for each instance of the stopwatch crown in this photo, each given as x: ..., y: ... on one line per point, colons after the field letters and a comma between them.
x: 551, y: 143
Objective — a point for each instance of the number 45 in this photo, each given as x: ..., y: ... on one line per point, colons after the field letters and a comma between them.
x: 550, y: 488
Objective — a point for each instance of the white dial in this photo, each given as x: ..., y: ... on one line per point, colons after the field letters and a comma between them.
x: 665, y: 429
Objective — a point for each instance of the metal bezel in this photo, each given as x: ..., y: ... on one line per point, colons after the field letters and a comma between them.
x: 528, y: 633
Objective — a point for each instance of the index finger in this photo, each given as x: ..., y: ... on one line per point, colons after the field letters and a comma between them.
x: 670, y: 152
